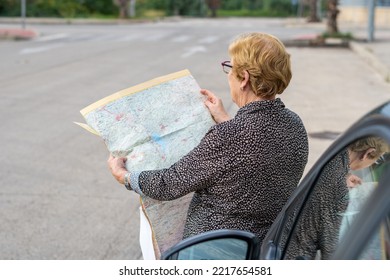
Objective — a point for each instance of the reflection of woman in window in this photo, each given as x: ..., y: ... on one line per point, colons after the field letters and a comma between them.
x: 318, y: 227
x: 362, y: 154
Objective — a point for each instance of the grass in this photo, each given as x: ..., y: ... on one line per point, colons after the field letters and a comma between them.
x: 252, y: 13
x: 339, y: 35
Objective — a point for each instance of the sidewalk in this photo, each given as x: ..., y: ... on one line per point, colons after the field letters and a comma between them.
x: 375, y: 53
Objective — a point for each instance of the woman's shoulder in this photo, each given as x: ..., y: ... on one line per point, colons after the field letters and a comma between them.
x: 222, y: 132
x: 226, y: 127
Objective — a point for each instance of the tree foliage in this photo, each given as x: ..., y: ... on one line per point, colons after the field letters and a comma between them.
x: 58, y: 8
x: 120, y: 8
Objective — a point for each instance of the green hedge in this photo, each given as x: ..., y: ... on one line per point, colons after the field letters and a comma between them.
x: 104, y: 8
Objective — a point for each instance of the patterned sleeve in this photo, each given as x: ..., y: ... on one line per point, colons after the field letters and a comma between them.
x: 197, y: 170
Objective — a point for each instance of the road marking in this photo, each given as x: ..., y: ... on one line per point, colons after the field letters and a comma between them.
x: 39, y: 49
x: 128, y: 38
x: 181, y: 39
x: 103, y: 38
x: 194, y: 50
x: 155, y: 37
x: 51, y: 37
x: 208, y: 40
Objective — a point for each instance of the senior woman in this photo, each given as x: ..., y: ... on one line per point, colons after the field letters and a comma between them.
x: 245, y: 168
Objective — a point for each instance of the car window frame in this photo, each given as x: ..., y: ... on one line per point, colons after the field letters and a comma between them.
x: 250, y: 238
x: 373, y: 124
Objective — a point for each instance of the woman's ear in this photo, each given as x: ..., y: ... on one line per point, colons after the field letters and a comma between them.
x: 245, y: 80
x: 367, y: 153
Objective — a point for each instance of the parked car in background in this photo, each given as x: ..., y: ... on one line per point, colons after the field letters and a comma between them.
x: 359, y: 220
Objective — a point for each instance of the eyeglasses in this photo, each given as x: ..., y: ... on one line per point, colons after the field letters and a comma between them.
x: 226, y: 66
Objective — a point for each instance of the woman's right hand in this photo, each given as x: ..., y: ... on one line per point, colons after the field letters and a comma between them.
x: 215, y: 106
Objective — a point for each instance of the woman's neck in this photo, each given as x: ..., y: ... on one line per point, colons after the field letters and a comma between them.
x: 249, y: 97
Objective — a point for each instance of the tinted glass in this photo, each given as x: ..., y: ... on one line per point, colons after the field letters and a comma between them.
x: 378, y: 247
x: 217, y: 249
x: 340, y: 192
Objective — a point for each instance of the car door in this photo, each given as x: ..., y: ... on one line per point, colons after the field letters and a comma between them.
x: 340, y: 212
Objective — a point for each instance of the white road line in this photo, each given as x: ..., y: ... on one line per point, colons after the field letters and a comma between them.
x: 39, y: 49
x: 101, y: 38
x: 128, y: 38
x: 208, y: 40
x: 155, y: 37
x: 51, y: 37
x: 194, y: 50
x: 181, y: 39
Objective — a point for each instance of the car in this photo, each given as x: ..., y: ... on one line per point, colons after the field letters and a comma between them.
x: 352, y: 226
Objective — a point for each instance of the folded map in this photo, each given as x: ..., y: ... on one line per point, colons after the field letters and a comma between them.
x: 154, y: 124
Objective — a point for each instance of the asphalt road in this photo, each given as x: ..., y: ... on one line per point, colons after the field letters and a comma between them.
x: 57, y: 197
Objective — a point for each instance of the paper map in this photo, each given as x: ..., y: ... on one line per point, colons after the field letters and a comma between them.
x: 154, y: 124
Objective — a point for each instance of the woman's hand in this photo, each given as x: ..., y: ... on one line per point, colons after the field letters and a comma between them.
x: 353, y: 181
x: 215, y: 106
x: 117, y: 167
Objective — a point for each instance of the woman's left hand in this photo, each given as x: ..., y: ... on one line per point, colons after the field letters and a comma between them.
x: 353, y: 181
x: 215, y: 106
x: 117, y: 167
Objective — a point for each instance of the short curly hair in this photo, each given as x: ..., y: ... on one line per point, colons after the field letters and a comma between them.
x: 266, y: 60
x: 380, y: 145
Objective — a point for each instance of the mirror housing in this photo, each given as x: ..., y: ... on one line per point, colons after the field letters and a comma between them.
x: 216, y: 245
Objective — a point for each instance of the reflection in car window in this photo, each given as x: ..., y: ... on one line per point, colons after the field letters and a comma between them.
x: 342, y: 188
x: 379, y: 245
x: 386, y: 237
x: 378, y: 248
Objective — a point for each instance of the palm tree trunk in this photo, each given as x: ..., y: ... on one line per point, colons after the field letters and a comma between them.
x: 333, y: 12
x: 313, y: 16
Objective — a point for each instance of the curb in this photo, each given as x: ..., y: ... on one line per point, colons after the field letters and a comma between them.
x: 368, y: 55
x: 313, y: 40
x: 17, y: 34
x: 365, y: 52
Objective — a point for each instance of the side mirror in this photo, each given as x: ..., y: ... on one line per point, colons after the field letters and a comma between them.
x: 216, y: 245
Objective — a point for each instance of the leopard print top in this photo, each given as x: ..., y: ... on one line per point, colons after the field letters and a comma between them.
x: 242, y: 172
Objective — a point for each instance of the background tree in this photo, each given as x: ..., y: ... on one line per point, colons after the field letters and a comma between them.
x: 332, y: 14
x: 123, y: 8
x: 100, y: 7
x: 213, y: 6
x: 313, y: 15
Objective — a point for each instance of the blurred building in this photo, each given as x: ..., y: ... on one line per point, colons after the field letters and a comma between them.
x: 356, y: 11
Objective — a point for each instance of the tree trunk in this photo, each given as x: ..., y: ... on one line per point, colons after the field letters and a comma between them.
x: 123, y: 8
x: 213, y: 5
x: 333, y: 12
x: 313, y: 16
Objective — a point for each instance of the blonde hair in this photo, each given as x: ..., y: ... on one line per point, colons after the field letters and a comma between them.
x: 266, y: 60
x: 362, y: 145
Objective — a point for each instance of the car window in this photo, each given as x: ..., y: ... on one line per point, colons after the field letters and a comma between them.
x: 378, y: 247
x: 339, y: 193
x: 217, y: 249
